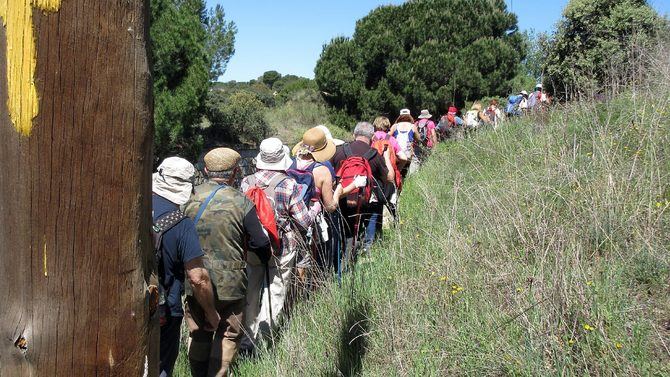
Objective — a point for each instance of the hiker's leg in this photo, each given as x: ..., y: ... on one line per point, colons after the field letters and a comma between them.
x: 281, y: 272
x: 169, y: 345
x: 227, y: 337
x: 256, y: 278
x: 199, y: 341
x: 372, y: 224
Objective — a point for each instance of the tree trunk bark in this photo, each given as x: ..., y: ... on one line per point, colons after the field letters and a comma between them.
x: 75, y: 190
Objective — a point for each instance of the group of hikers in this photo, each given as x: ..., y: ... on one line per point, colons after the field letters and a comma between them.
x: 307, y: 211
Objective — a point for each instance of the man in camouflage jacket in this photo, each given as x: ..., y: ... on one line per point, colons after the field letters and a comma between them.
x: 228, y: 227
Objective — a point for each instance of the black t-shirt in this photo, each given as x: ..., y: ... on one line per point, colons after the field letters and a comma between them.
x: 180, y: 246
x: 360, y: 148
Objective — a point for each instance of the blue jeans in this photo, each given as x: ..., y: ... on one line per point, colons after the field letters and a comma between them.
x: 373, y: 225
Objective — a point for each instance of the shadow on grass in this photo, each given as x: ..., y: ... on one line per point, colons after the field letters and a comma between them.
x: 353, y: 340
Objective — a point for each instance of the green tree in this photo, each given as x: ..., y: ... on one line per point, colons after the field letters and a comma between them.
x: 269, y: 78
x: 422, y: 54
x: 190, y: 47
x: 239, y: 117
x: 595, y: 38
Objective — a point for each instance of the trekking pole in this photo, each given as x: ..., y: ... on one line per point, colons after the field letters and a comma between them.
x: 271, y: 321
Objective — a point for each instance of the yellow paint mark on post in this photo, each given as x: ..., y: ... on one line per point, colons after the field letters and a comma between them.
x: 45, y: 260
x: 17, y: 18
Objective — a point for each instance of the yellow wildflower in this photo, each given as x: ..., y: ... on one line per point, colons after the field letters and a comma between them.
x: 589, y: 283
x: 658, y: 204
x: 618, y: 345
x: 519, y: 290
x: 571, y: 342
x: 444, y: 278
x: 588, y: 327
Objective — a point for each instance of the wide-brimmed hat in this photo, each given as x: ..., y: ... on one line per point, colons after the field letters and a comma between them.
x: 476, y: 106
x: 538, y: 86
x: 405, y: 112
x: 315, y: 142
x: 452, y: 110
x: 273, y: 155
x: 525, y: 93
x: 173, y: 180
x: 221, y: 159
x: 425, y: 114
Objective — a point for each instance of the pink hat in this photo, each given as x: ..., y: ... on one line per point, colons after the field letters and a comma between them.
x: 453, y: 110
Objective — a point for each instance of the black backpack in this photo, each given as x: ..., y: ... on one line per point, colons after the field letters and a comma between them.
x: 159, y: 228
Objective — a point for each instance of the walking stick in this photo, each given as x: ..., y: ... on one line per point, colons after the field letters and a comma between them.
x: 267, y: 283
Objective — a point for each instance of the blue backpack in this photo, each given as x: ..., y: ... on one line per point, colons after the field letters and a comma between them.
x: 512, y: 103
x: 305, y: 180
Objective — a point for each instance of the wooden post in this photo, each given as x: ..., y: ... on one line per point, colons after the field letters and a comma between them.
x: 75, y: 166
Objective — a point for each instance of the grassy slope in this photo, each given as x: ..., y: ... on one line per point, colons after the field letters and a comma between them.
x: 303, y: 111
x: 541, y: 248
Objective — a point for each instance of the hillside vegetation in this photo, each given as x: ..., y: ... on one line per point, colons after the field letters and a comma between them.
x: 537, y: 249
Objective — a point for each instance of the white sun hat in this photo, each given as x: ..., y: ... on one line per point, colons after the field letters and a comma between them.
x: 425, y: 114
x: 173, y: 180
x: 273, y: 155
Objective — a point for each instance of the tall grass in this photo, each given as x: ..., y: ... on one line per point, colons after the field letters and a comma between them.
x: 539, y: 248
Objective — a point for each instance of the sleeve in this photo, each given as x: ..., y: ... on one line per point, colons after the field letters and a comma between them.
x: 258, y: 241
x: 299, y: 211
x: 189, y: 244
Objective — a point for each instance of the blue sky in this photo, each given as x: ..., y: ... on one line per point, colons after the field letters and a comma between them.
x: 288, y: 36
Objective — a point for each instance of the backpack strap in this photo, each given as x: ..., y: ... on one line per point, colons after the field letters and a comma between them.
x: 347, y: 151
x: 275, y: 181
x: 204, y: 205
x: 369, y: 155
x: 168, y: 221
x: 387, y: 137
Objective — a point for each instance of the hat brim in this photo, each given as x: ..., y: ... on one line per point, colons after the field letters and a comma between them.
x: 426, y: 116
x: 282, y: 165
x: 319, y: 156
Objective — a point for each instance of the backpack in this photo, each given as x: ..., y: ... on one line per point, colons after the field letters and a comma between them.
x: 382, y: 145
x: 422, y: 126
x: 264, y: 200
x: 159, y: 228
x: 350, y: 168
x: 405, y: 140
x: 534, y: 100
x: 472, y: 118
x: 305, y: 179
x: 512, y: 104
x: 491, y: 114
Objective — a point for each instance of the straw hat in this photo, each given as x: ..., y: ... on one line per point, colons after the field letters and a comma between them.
x: 476, y: 106
x: 425, y: 114
x: 315, y: 142
x: 172, y: 180
x: 221, y: 159
x: 273, y: 155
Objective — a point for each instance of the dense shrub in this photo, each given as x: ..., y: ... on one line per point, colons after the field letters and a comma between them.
x: 422, y: 54
x: 597, y: 39
x: 238, y: 118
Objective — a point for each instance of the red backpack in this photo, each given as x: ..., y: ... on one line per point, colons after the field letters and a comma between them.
x: 263, y: 198
x: 349, y: 169
x: 382, y: 145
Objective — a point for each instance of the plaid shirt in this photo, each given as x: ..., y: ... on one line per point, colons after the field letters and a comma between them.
x: 294, y: 216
